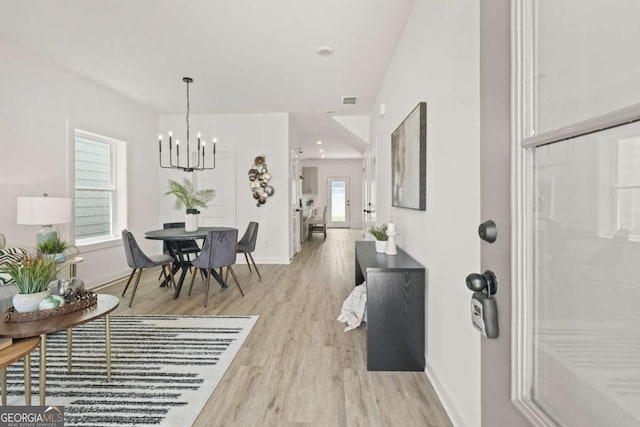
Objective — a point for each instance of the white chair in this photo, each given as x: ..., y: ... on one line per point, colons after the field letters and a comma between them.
x: 318, y: 224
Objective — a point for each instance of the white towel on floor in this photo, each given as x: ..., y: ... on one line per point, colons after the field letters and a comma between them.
x: 354, y: 308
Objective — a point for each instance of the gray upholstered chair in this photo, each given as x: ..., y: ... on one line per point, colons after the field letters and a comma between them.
x: 218, y: 250
x: 247, y: 244
x: 138, y: 261
x: 318, y: 224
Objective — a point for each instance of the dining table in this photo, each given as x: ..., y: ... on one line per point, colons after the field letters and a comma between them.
x: 172, y: 235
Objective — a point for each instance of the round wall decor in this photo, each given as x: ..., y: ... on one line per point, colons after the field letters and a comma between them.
x: 259, y: 178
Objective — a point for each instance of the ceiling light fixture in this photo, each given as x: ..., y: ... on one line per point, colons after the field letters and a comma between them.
x: 324, y: 50
x: 321, y: 150
x: 322, y: 157
x: 318, y: 142
x: 187, y: 166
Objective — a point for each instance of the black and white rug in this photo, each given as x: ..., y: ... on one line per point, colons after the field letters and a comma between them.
x: 164, y: 368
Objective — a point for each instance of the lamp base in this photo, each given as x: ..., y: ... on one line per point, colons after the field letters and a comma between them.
x: 47, y: 232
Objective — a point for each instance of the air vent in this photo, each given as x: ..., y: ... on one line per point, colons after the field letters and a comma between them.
x: 349, y: 100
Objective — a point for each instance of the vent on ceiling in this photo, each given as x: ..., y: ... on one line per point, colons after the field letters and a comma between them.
x: 349, y: 100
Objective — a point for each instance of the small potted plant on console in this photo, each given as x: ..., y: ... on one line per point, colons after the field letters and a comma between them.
x: 380, y: 234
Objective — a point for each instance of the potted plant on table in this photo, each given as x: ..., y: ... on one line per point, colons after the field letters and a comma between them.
x: 54, y: 248
x: 189, y: 198
x: 380, y: 234
x: 31, y: 277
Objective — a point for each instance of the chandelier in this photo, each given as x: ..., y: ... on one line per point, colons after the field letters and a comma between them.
x: 191, y: 164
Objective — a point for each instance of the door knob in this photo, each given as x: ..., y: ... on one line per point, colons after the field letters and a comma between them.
x: 487, y: 282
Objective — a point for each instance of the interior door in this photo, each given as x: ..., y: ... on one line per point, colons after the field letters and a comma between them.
x: 221, y: 211
x: 369, y: 191
x: 296, y: 209
x: 338, y: 202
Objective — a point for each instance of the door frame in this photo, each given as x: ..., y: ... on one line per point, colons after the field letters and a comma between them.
x: 347, y: 207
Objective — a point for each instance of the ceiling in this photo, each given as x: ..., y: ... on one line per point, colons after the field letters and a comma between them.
x: 245, y: 56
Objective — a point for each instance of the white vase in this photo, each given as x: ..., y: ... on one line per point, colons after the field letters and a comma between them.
x: 191, y: 222
x: 381, y: 246
x: 24, y: 303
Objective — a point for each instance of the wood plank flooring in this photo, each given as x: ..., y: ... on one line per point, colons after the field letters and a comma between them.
x: 297, y: 367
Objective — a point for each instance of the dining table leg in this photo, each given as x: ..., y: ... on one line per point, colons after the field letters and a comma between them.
x: 185, y: 268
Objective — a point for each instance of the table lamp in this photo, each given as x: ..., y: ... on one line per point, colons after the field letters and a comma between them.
x: 44, y: 211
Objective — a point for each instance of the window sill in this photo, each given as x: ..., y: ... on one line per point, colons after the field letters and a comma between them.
x: 90, y: 246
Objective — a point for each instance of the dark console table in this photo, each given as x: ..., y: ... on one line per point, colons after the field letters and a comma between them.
x: 395, y: 308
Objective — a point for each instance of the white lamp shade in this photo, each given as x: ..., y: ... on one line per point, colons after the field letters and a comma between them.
x: 44, y: 210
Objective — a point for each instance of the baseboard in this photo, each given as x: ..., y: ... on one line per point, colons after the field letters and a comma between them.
x: 100, y: 282
x: 445, y: 398
x: 263, y: 260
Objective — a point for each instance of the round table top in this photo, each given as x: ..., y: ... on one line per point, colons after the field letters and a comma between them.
x: 181, y: 234
x: 105, y: 305
x: 17, y: 350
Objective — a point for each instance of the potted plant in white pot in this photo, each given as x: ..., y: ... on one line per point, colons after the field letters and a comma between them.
x: 31, y: 277
x: 189, y: 198
x: 380, y: 234
x: 54, y: 248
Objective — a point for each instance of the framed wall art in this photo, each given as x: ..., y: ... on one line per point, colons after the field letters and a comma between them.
x: 409, y: 161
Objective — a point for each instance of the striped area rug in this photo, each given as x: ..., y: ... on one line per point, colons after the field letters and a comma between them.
x: 164, y: 368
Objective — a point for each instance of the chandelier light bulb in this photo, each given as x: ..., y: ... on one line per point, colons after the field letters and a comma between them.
x: 160, y: 137
x: 215, y: 140
x: 177, y: 142
x: 170, y: 133
x: 198, y: 134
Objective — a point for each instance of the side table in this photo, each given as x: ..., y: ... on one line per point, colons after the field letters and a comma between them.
x: 21, y: 348
x: 72, y: 263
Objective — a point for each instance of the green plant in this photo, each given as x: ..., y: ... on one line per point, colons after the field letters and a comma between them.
x: 53, y: 246
x: 187, y: 196
x: 33, y: 275
x: 380, y: 233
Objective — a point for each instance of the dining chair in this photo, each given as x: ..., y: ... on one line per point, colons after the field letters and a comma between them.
x: 185, y: 248
x: 318, y: 224
x: 138, y: 261
x: 247, y: 244
x: 218, y: 250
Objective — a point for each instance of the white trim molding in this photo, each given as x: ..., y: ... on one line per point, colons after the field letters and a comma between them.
x: 523, y: 119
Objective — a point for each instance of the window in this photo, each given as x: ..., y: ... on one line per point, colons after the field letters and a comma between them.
x: 627, y: 187
x: 100, y: 188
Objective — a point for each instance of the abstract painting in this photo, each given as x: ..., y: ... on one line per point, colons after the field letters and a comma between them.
x: 409, y: 161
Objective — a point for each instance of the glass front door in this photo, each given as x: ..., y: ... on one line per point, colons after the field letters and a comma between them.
x: 339, y: 203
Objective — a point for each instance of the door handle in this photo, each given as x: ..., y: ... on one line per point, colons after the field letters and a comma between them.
x: 486, y: 281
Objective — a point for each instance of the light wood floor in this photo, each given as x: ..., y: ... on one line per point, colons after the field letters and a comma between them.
x: 297, y: 367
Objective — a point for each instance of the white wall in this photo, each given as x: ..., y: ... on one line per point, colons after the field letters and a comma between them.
x: 247, y: 136
x: 437, y: 61
x: 37, y: 99
x: 334, y: 168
